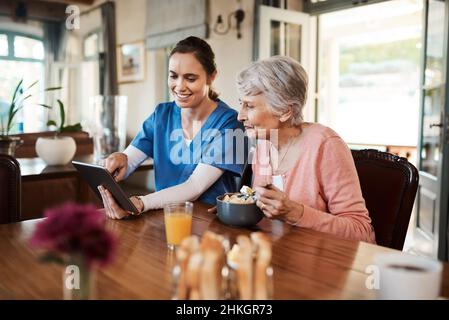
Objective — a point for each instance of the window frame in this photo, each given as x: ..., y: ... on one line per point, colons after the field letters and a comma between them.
x: 98, y: 32
x: 10, y: 35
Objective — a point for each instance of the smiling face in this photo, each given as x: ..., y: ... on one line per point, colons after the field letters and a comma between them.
x: 257, y: 117
x: 187, y: 80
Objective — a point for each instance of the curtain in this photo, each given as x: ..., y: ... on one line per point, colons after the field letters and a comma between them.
x: 170, y: 21
x: 54, y: 39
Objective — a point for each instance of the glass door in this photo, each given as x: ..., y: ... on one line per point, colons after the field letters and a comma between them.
x: 288, y: 32
x: 430, y: 234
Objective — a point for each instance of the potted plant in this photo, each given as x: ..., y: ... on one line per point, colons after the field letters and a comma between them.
x: 58, y: 150
x: 9, y: 143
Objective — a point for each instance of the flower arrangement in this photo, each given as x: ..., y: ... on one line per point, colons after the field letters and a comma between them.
x: 73, y: 232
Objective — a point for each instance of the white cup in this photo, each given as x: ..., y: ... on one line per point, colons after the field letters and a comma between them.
x: 407, y: 277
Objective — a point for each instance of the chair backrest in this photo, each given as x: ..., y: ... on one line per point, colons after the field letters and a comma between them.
x: 389, y: 185
x: 10, y: 189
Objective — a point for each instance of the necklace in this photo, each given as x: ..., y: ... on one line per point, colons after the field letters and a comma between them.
x: 274, y: 156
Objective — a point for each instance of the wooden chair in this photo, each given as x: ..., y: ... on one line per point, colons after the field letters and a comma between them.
x: 10, y: 186
x: 389, y: 184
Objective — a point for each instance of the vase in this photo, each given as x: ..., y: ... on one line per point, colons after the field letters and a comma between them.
x: 78, y: 280
x: 56, y: 150
x: 108, y: 125
x: 9, y: 144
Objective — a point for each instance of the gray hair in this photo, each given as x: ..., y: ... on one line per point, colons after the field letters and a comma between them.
x: 282, y: 81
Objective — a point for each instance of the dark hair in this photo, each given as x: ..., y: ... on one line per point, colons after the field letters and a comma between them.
x: 203, y: 53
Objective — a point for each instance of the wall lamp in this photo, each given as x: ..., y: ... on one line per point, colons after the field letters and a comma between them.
x: 223, y: 28
x: 20, y: 12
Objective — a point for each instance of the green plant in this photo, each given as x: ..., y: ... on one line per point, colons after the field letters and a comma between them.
x: 61, y: 128
x: 19, y: 97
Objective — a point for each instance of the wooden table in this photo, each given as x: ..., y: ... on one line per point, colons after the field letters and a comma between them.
x: 45, y: 186
x: 307, y: 264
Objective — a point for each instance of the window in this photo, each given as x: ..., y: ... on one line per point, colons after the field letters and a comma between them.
x: 89, y: 74
x: 369, y: 74
x: 28, y: 48
x: 22, y: 57
x: 91, y: 45
x: 3, y: 45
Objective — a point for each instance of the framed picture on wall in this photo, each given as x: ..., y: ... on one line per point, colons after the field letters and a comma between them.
x: 131, y: 62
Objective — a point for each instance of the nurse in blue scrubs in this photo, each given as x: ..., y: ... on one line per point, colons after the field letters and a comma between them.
x: 196, y: 143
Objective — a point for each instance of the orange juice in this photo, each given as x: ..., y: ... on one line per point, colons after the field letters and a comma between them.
x: 178, y: 226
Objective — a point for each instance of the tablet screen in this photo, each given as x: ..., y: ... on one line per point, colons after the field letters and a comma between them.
x: 96, y: 175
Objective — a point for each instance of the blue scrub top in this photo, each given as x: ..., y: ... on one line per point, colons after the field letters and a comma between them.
x: 220, y: 142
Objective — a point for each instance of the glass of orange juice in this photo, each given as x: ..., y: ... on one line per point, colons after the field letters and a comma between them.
x: 178, y: 222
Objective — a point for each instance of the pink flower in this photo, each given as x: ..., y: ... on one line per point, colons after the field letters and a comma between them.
x: 77, y: 230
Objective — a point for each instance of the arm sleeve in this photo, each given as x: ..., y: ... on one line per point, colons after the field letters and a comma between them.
x: 135, y: 158
x: 340, y: 185
x: 199, y: 181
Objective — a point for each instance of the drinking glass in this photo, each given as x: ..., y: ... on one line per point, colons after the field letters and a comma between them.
x: 178, y: 222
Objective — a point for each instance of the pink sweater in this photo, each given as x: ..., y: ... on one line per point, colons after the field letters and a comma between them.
x: 325, y: 181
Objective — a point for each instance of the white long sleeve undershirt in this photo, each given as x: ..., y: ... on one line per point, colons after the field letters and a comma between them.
x: 135, y: 158
x: 199, y: 181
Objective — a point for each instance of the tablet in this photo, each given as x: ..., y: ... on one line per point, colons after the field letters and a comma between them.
x: 96, y: 175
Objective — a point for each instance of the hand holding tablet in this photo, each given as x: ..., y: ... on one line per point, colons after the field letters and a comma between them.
x: 97, y: 176
x: 113, y: 210
x: 117, y: 164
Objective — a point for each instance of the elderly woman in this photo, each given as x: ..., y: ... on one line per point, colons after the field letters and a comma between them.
x: 304, y: 173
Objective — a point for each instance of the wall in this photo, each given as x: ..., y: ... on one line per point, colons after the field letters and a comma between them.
x: 145, y: 95
x: 31, y: 27
x: 232, y: 54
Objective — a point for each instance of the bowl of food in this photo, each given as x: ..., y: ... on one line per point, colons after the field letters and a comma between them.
x: 239, y: 209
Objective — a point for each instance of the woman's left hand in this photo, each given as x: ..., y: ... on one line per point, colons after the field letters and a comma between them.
x: 111, y: 208
x: 275, y: 204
